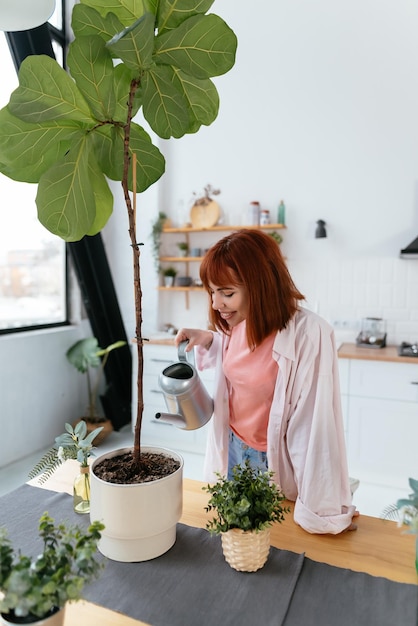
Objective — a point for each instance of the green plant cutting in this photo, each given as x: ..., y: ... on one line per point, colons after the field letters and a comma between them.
x: 71, y: 132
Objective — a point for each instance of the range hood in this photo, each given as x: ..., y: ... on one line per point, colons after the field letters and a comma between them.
x: 411, y: 251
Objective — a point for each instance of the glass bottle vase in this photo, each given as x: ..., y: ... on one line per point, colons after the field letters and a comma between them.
x: 82, y: 490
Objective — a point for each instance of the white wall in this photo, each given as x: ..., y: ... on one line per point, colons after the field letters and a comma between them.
x: 320, y: 109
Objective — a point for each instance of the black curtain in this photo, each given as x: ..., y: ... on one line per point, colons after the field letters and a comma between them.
x: 92, y: 270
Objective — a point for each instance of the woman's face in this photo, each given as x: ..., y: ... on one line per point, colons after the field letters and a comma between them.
x: 231, y: 301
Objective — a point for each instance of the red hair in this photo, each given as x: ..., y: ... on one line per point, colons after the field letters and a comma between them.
x: 252, y: 259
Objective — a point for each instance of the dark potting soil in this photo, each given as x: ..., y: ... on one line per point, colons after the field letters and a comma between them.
x: 121, y: 469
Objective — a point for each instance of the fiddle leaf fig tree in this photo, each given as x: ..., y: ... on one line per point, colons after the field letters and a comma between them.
x: 71, y: 132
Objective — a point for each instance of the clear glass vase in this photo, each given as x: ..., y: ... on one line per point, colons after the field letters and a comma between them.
x: 82, y: 491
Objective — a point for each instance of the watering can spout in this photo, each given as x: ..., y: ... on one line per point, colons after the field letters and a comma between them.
x: 172, y: 418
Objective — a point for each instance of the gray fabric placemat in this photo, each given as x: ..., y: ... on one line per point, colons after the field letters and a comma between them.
x: 192, y: 585
x: 189, y: 585
x: 333, y: 596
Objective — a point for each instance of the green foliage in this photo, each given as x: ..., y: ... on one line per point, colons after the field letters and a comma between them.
x: 249, y: 501
x: 86, y: 353
x: 73, y: 444
x: 68, y: 132
x: 35, y: 586
x: 170, y: 271
x: 157, y: 229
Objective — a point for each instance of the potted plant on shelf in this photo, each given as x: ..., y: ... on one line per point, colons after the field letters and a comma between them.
x: 125, y: 56
x: 183, y: 246
x: 75, y: 443
x: 246, y: 506
x: 169, y: 274
x: 34, y: 590
x: 83, y: 355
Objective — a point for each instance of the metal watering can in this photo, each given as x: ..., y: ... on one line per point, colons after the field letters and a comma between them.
x: 186, y: 397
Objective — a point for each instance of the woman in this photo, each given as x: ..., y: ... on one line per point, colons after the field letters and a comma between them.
x: 277, y: 397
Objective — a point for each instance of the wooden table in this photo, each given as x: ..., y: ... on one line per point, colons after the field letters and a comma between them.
x: 377, y: 547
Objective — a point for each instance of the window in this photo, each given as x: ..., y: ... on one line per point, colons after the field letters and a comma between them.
x: 32, y: 260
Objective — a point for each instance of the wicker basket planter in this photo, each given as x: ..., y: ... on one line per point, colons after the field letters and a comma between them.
x: 246, y: 550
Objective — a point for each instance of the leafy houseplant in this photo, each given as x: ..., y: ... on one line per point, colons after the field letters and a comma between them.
x: 154, y: 55
x: 183, y: 246
x: 34, y: 588
x: 169, y: 274
x: 246, y: 506
x: 86, y: 354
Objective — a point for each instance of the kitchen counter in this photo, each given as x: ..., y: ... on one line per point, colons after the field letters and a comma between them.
x: 390, y: 353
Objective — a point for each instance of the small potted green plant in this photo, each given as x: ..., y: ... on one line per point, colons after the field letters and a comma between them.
x: 169, y: 274
x: 36, y: 588
x: 84, y: 355
x: 183, y: 246
x: 246, y: 506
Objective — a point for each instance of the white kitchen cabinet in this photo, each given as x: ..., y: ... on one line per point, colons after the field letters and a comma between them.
x: 154, y: 431
x: 380, y: 405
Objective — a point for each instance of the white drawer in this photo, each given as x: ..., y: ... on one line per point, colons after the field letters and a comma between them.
x: 392, y: 381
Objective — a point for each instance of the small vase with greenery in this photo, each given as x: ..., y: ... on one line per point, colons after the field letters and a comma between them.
x: 33, y: 588
x: 75, y: 443
x: 246, y: 506
x: 405, y: 511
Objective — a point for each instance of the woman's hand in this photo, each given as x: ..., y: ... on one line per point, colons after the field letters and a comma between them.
x: 195, y: 337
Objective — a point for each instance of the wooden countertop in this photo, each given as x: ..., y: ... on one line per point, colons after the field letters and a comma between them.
x: 389, y: 353
x: 378, y: 547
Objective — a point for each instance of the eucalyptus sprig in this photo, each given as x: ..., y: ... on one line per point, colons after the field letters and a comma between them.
x: 73, y: 444
x: 249, y: 501
x: 405, y: 511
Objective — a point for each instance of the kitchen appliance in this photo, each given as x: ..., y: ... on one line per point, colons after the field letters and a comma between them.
x: 373, y: 333
x: 185, y: 395
x: 408, y: 349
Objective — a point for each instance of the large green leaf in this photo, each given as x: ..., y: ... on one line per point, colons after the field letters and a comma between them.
x: 201, y: 96
x: 135, y: 44
x: 164, y: 107
x: 102, y: 195
x: 109, y: 147
x: 126, y: 10
x: 46, y: 92
x: 202, y: 46
x: 65, y: 199
x: 28, y: 150
x: 87, y: 21
x: 91, y: 66
x: 171, y: 13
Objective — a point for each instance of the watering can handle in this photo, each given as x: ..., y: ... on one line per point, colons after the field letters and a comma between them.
x: 182, y: 354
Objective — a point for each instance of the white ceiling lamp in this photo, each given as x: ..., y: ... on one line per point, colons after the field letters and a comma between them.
x: 24, y: 14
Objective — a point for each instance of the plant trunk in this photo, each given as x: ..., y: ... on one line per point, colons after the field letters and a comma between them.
x: 136, y: 273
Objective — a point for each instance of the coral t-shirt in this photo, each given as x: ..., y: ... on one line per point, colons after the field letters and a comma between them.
x: 251, y: 378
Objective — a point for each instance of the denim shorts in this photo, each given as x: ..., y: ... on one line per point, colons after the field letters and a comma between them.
x: 239, y: 452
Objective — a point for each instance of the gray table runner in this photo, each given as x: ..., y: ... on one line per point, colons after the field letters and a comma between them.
x: 193, y: 585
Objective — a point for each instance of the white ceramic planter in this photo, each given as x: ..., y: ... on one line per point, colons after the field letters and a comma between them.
x: 57, y: 619
x: 141, y: 519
